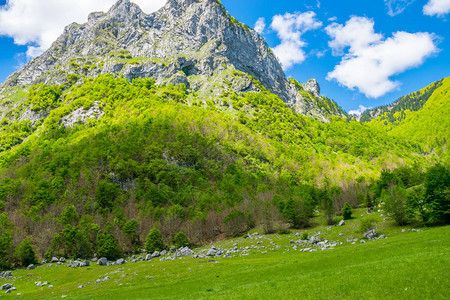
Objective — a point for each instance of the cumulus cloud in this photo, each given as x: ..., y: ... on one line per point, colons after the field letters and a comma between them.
x: 290, y: 28
x: 396, y: 7
x: 359, y: 111
x: 370, y: 59
x: 260, y: 25
x: 437, y: 8
x: 39, y: 23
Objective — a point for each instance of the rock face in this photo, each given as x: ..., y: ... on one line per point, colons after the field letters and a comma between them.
x: 191, y: 42
x: 312, y: 86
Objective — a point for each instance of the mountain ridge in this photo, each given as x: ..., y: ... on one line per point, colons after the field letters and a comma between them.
x: 191, y: 42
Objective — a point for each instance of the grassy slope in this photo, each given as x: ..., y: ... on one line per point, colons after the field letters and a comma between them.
x: 404, y: 266
x: 428, y: 125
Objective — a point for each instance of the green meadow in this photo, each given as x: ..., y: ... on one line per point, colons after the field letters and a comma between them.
x: 406, y: 265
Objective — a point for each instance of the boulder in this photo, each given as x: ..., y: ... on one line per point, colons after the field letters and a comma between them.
x: 6, y: 286
x: 102, y: 261
x: 342, y: 223
x: 31, y: 267
x: 62, y: 259
x: 7, y: 274
x: 185, y: 251
x: 370, y: 234
x: 148, y: 257
x: 120, y: 261
x: 156, y: 254
x: 164, y: 252
x: 44, y: 261
x: 55, y: 259
x: 211, y: 252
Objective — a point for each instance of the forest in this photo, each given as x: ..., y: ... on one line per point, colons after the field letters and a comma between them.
x: 161, y: 164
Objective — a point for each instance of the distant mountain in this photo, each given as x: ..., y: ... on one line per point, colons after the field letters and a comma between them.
x: 423, y: 116
x: 397, y: 111
x: 191, y: 42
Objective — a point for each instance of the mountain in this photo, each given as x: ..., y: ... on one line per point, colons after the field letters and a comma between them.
x: 90, y: 160
x: 422, y: 117
x: 396, y: 111
x: 191, y: 42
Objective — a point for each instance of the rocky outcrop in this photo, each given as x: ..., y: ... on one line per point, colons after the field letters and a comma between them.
x: 191, y: 42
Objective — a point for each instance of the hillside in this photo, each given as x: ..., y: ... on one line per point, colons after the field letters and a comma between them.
x: 421, y: 117
x: 133, y: 121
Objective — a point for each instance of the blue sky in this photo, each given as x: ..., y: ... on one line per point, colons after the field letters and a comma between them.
x: 379, y: 51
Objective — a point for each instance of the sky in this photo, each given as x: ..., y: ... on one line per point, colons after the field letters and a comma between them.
x: 363, y: 53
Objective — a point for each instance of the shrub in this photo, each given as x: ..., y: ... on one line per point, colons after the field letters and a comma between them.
x: 395, y: 203
x: 181, y: 240
x: 366, y: 224
x: 154, y: 241
x: 25, y: 254
x: 235, y: 223
x: 304, y: 236
x: 347, y: 211
x: 108, y: 246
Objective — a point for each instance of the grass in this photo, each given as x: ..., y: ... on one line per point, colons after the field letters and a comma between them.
x: 410, y: 265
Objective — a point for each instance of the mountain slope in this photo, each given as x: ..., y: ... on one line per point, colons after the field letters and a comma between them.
x: 395, y: 112
x: 191, y: 42
x: 421, y: 117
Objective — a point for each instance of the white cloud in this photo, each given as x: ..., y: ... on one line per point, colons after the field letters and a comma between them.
x: 39, y: 23
x: 359, y: 111
x: 290, y: 28
x: 437, y: 7
x: 370, y: 59
x: 332, y: 19
x: 260, y: 25
x: 396, y: 7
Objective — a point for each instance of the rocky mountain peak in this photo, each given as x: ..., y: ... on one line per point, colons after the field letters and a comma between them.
x: 191, y: 42
x: 312, y: 86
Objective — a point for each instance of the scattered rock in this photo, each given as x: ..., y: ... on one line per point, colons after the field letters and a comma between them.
x: 342, y: 223
x: 31, y: 267
x: 370, y: 234
x: 341, y: 234
x: 55, y: 259
x: 156, y: 254
x: 148, y: 257
x: 120, y: 261
x: 382, y: 237
x: 6, y: 286
x: 102, y: 261
x: 62, y: 259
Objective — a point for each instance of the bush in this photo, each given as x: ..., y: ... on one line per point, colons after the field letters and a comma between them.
x: 366, y: 224
x: 25, y: 254
x: 181, y: 240
x: 395, y: 203
x: 235, y: 223
x: 347, y: 211
x: 154, y: 241
x: 108, y: 246
x: 130, y: 230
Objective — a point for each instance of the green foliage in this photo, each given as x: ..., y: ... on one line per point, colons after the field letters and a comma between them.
x: 42, y: 96
x: 130, y: 229
x: 108, y: 246
x: 106, y: 193
x: 181, y: 240
x: 69, y: 216
x: 395, y: 203
x: 154, y: 241
x: 25, y: 254
x: 347, y: 211
x: 366, y: 224
x: 6, y: 241
x: 437, y: 194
